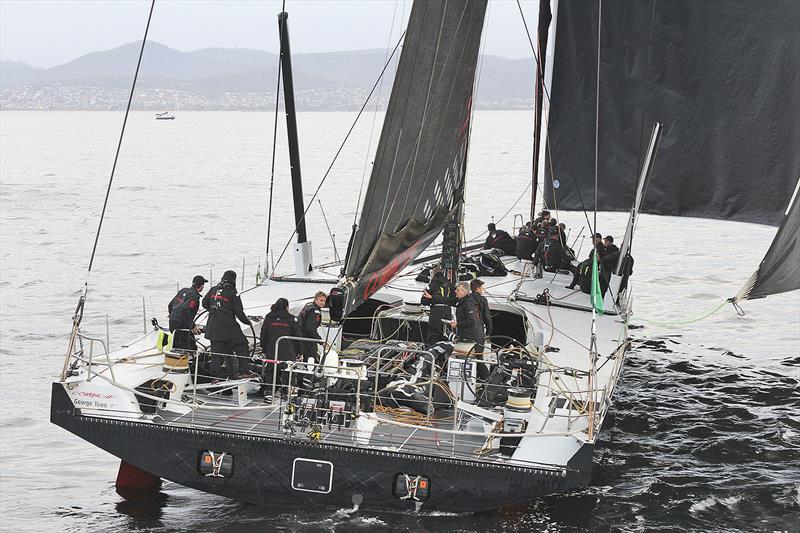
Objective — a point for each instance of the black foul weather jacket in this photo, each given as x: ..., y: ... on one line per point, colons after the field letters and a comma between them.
x: 310, y: 319
x: 468, y: 319
x: 501, y: 240
x: 483, y: 307
x: 439, y: 289
x: 277, y: 324
x: 526, y: 245
x: 224, y: 307
x: 551, y: 255
x: 183, y: 308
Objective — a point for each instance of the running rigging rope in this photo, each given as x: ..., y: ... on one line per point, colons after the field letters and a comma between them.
x: 78, y: 316
x: 121, y: 135
x: 688, y: 320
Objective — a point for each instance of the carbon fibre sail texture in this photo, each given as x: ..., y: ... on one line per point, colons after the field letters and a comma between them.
x: 723, y: 77
x: 779, y: 271
x: 417, y: 179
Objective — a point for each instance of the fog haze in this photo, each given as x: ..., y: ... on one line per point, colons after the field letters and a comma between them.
x: 46, y: 33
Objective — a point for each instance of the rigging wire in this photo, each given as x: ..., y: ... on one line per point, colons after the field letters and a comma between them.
x: 597, y: 109
x: 121, y: 135
x: 332, y: 236
x: 571, y: 171
x: 341, y: 147
x: 274, y: 144
x: 539, y: 69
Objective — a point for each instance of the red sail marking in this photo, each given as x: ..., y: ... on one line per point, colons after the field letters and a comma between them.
x: 385, y: 274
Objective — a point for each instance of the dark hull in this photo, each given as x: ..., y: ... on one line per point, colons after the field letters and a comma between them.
x: 263, y: 467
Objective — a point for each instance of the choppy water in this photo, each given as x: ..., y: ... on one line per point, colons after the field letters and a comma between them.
x: 705, y: 433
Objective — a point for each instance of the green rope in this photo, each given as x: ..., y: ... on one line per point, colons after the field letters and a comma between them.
x: 690, y: 321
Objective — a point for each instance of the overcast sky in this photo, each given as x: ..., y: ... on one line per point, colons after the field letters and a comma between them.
x: 45, y: 33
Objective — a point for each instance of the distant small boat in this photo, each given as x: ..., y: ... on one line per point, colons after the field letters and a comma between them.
x: 166, y: 115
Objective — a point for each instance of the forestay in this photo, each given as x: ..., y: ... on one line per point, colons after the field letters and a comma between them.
x: 417, y: 180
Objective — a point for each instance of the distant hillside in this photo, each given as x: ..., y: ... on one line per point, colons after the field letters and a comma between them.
x: 229, y: 78
x: 13, y: 73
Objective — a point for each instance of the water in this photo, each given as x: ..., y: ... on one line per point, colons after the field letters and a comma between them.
x: 704, y: 435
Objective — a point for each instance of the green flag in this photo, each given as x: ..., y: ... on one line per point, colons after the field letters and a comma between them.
x: 597, y: 296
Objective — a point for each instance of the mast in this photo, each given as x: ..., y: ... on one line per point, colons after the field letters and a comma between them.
x: 543, y: 25
x: 302, y: 250
x: 451, y: 235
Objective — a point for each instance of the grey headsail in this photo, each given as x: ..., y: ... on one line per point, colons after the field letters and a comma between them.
x: 417, y: 179
x: 723, y: 77
x: 779, y: 271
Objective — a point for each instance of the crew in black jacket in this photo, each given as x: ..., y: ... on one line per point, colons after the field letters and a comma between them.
x: 500, y: 240
x: 486, y: 323
x: 226, y: 336
x: 278, y: 323
x: 468, y: 322
x: 552, y: 256
x: 526, y: 243
x: 182, y: 311
x: 437, y: 296
x: 310, y: 319
x: 610, y: 247
x: 483, y: 304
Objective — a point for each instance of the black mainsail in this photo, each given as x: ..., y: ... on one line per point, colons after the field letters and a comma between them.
x: 417, y: 179
x: 723, y: 77
x: 779, y: 271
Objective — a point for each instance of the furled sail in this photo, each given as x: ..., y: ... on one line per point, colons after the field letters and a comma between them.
x: 723, y: 78
x: 417, y: 179
x: 779, y: 271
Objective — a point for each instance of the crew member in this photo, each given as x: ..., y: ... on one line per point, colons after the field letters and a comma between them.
x: 500, y: 240
x: 468, y: 323
x: 227, y: 339
x: 485, y: 326
x: 526, y: 243
x: 543, y: 216
x: 599, y: 246
x: 608, y: 243
x: 182, y: 311
x: 310, y: 319
x: 551, y: 255
x: 437, y: 296
x: 477, y: 287
x: 278, y: 323
x: 583, y: 274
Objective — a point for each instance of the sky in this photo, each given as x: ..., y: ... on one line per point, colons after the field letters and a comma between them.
x: 45, y: 33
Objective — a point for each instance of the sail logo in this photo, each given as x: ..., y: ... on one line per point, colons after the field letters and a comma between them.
x: 385, y: 274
